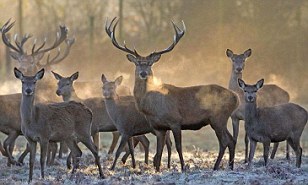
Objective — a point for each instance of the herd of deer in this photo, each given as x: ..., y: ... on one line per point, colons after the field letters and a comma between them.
x: 155, y: 109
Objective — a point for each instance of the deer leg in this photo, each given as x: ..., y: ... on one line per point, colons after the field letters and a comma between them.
x: 266, y: 147
x: 295, y: 144
x: 91, y: 146
x: 9, y: 147
x: 44, y: 148
x: 131, y: 150
x: 287, y: 151
x: 75, y: 153
x: 123, y: 141
x: 69, y: 160
x: 24, y: 154
x: 160, y: 137
x: 177, y: 133
x: 96, y: 140
x: 51, y: 153
x: 235, y: 125
x: 246, y: 147
x: 274, y: 150
x: 115, y: 138
x: 63, y: 149
x: 32, y: 149
x: 169, y: 145
x: 222, y: 147
x: 125, y: 156
x: 2, y: 150
x: 253, y: 145
x: 146, y: 144
x: 231, y: 147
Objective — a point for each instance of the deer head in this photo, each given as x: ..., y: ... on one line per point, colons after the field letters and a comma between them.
x: 110, y: 87
x: 65, y: 84
x: 250, y: 91
x: 238, y: 61
x: 28, y: 82
x: 143, y: 64
x: 30, y: 63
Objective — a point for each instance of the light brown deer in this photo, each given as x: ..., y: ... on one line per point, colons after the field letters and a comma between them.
x: 67, y: 121
x: 101, y: 120
x: 128, y: 120
x: 272, y: 124
x: 168, y: 107
x: 29, y: 63
x: 269, y: 95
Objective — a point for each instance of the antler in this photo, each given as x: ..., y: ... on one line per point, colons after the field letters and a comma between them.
x: 57, y: 59
x: 110, y: 30
x: 6, y: 28
x: 178, y: 35
x: 61, y: 36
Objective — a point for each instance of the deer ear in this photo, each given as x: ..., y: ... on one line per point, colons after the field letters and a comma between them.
x: 241, y: 83
x: 56, y: 75
x: 259, y: 84
x: 155, y: 58
x: 118, y: 81
x: 39, y: 75
x: 247, y: 53
x: 74, y: 76
x: 104, y: 79
x: 229, y: 53
x: 18, y: 74
x: 131, y: 58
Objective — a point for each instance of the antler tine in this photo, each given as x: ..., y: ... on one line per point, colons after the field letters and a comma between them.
x: 22, y: 42
x: 6, y: 28
x: 111, y: 34
x: 57, y: 59
x: 60, y: 37
x: 176, y: 38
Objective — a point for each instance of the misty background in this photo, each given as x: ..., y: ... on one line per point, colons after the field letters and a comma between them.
x: 276, y: 31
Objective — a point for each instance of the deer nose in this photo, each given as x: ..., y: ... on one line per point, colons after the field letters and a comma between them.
x: 28, y: 91
x: 58, y: 92
x: 250, y: 98
x: 143, y: 74
x: 239, y: 69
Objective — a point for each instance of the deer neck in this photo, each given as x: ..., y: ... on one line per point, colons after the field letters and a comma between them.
x: 71, y: 97
x: 112, y: 108
x: 26, y: 109
x: 141, y: 88
x: 233, y: 85
x: 250, y: 113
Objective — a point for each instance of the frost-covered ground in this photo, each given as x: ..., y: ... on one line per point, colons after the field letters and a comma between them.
x: 199, y: 165
x: 200, y: 151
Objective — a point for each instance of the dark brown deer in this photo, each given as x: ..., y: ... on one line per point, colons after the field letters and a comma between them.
x: 128, y: 120
x: 29, y: 63
x: 168, y: 107
x: 101, y: 120
x: 272, y: 124
x: 269, y: 95
x: 43, y: 123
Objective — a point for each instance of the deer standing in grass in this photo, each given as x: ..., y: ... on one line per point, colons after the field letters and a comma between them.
x: 101, y: 120
x: 128, y: 120
x: 272, y: 124
x: 29, y: 63
x: 168, y: 107
x: 269, y: 95
x: 67, y: 121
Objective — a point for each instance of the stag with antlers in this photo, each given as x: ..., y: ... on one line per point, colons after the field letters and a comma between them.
x: 168, y: 107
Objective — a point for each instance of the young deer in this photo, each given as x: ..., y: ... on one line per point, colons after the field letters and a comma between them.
x: 168, y: 107
x: 67, y: 121
x: 101, y: 121
x: 272, y: 124
x: 128, y: 120
x: 269, y: 95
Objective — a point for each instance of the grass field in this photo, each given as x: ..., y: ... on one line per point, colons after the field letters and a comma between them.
x: 200, y: 152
